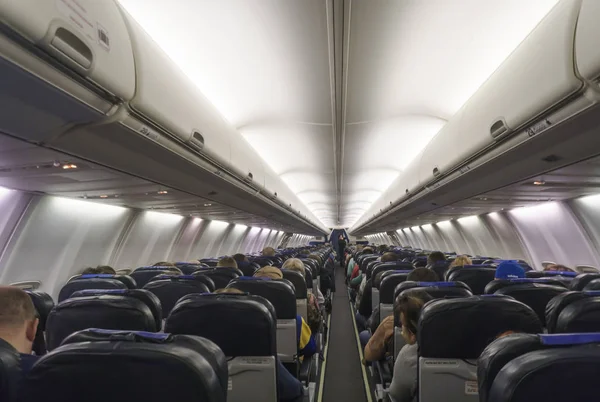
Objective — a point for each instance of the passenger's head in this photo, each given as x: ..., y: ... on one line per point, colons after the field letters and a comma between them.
x: 227, y: 262
x: 230, y: 291
x: 18, y: 318
x: 434, y: 257
x: 268, y: 251
x: 461, y: 261
x: 383, y: 248
x: 269, y: 272
x: 367, y: 250
x: 164, y: 264
x: 294, y: 264
x: 316, y: 257
x: 389, y: 256
x: 172, y: 272
x: 240, y: 258
x: 558, y: 267
x: 106, y: 269
x: 408, y: 308
x: 422, y: 275
x: 90, y: 270
x: 509, y: 270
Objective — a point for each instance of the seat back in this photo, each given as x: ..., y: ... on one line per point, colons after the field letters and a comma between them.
x: 580, y: 315
x: 146, y: 297
x: 535, y: 295
x: 451, y: 335
x: 553, y: 368
x: 475, y: 276
x: 143, y: 275
x: 173, y: 288
x: 498, y: 284
x: 581, y: 281
x: 247, y: 268
x: 43, y: 304
x: 389, y: 281
x: 106, y: 312
x: 220, y: 276
x: 198, y: 276
x: 299, y: 283
x: 281, y: 294
x: 377, y: 274
x: 244, y: 327
x: 133, y: 366
x: 82, y: 283
x: 547, y: 274
x: 211, y: 262
x: 437, y: 290
x: 594, y: 284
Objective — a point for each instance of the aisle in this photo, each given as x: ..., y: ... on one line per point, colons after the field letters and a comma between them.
x: 343, y: 374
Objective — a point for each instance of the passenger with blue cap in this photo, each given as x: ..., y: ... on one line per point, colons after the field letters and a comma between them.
x: 509, y: 270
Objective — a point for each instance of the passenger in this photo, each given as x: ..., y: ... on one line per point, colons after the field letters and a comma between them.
x: 341, y: 248
x: 268, y: 252
x: 460, y: 261
x: 306, y: 342
x: 404, y: 384
x: 106, y: 269
x: 317, y: 258
x: 18, y: 324
x: 509, y: 270
x: 227, y: 262
x: 314, y: 310
x: 435, y: 257
x: 377, y: 345
x: 172, y: 272
x: 164, y: 264
x: 558, y: 267
x: 356, y: 269
x: 289, y: 388
x: 90, y: 271
x: 240, y: 258
x: 352, y: 262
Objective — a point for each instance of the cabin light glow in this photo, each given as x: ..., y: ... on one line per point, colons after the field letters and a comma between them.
x: 591, y: 200
x: 468, y: 219
x: 164, y: 217
x: 414, y: 228
x: 536, y: 211
x: 86, y: 207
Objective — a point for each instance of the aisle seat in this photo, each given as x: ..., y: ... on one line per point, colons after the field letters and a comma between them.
x: 389, y: 281
x: 282, y: 295
x: 105, y: 311
x: 244, y: 327
x: 300, y: 289
x: 130, y: 366
x: 377, y: 273
x: 451, y: 335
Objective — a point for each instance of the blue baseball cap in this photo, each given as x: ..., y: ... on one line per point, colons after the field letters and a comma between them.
x: 509, y: 270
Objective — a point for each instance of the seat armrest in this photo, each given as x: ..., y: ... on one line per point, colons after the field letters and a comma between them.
x: 306, y: 369
x: 383, y: 374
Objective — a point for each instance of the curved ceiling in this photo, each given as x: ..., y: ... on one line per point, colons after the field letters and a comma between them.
x: 338, y: 96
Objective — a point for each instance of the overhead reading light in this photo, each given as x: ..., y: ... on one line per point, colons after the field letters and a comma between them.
x: 163, y: 192
x: 104, y: 196
x: 539, y: 182
x: 207, y: 205
x: 68, y: 166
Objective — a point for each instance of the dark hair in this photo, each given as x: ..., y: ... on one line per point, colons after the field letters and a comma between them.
x: 367, y: 250
x: 389, y: 256
x: 90, y: 270
x: 410, y: 307
x: 435, y: 256
x: 164, y: 264
x: 423, y: 275
x: 240, y: 257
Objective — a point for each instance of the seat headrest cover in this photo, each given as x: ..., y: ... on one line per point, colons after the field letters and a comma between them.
x: 438, y: 284
x: 461, y: 328
x: 498, y: 284
x: 107, y: 311
x: 98, y: 334
x: 569, y: 339
x: 246, y: 314
x: 189, y: 369
x: 388, y: 285
x: 89, y: 283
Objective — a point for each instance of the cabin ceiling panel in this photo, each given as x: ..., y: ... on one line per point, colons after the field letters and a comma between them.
x: 411, y: 65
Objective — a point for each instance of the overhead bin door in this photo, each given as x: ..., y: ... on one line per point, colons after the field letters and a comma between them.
x: 536, y: 77
x: 167, y: 97
x: 587, y: 51
x: 61, y: 62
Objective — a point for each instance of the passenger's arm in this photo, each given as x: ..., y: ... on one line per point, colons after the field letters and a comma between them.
x: 357, y: 280
x: 375, y: 349
x: 404, y: 382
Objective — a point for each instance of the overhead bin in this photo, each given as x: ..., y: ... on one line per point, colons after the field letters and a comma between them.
x: 534, y: 81
x: 587, y: 51
x: 62, y: 62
